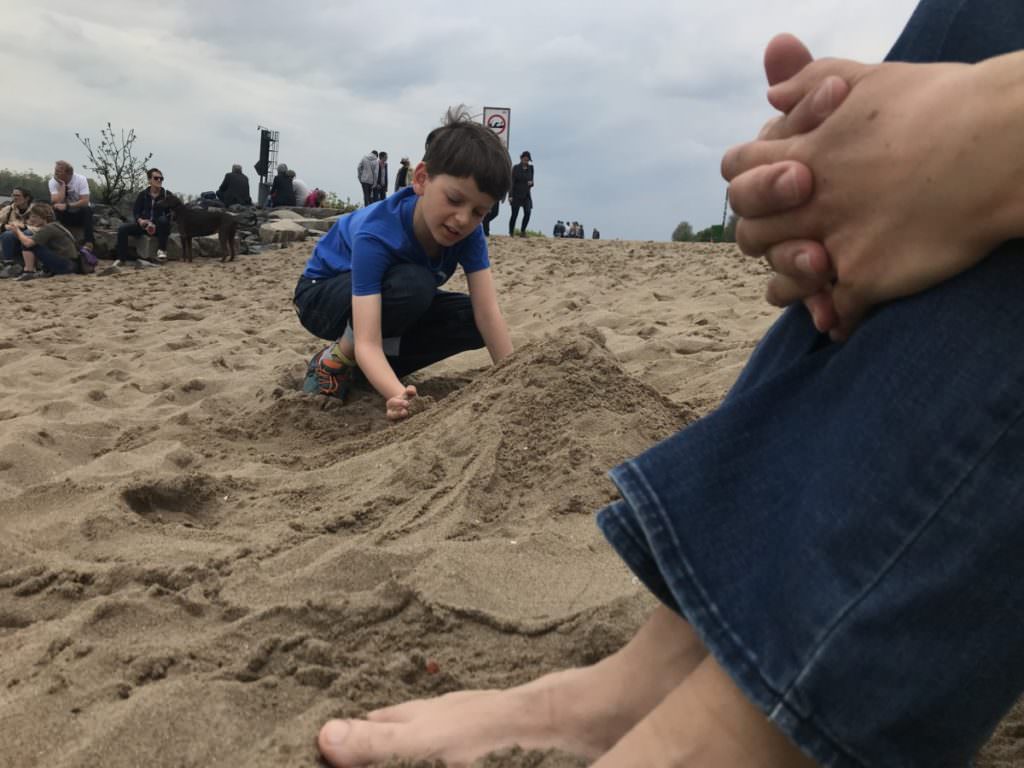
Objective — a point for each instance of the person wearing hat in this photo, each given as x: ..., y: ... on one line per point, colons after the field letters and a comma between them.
x: 519, y: 194
x: 402, y: 178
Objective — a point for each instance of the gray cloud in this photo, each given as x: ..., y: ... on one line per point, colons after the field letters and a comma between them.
x: 626, y: 109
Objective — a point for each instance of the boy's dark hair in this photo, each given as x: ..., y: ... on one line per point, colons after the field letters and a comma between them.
x: 462, y: 147
x: 151, y: 171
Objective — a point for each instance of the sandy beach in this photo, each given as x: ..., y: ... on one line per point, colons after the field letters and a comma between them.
x: 199, y: 564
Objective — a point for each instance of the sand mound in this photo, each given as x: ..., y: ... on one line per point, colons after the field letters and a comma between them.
x: 213, y: 603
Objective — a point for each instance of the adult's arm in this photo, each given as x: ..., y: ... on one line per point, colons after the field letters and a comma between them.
x: 487, y: 314
x: 915, y: 175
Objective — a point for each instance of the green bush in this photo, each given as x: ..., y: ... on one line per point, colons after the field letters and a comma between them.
x: 342, y: 206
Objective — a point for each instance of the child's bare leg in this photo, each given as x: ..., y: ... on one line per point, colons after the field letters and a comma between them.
x: 705, y: 722
x: 584, y: 711
x: 30, y: 260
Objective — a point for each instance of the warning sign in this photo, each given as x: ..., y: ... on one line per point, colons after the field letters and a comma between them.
x: 497, y: 118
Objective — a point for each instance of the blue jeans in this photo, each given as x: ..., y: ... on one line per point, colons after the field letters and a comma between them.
x: 52, y: 262
x: 11, y: 246
x: 845, y: 531
x: 432, y: 325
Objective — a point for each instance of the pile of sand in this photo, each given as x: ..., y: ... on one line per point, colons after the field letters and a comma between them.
x: 199, y: 565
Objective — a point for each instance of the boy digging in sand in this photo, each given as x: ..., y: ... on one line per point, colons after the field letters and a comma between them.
x: 371, y: 286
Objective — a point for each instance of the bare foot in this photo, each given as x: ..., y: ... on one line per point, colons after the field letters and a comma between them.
x: 705, y: 722
x: 582, y: 711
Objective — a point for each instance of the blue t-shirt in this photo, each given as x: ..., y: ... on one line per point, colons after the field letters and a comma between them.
x: 369, y: 241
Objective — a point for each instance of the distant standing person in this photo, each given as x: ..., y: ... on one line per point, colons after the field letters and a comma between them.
x: 367, y: 174
x: 282, y: 192
x: 519, y: 195
x: 234, y: 190
x: 69, y: 196
x: 380, y: 185
x: 402, y: 178
x: 596, y: 235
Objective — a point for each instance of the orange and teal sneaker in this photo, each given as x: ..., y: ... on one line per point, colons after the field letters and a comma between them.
x: 327, y: 376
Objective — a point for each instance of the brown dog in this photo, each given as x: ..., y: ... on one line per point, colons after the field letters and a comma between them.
x: 197, y: 222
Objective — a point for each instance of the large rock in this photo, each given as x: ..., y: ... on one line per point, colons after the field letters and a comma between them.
x: 318, y: 225
x: 282, y: 232
x: 285, y: 213
x: 210, y: 246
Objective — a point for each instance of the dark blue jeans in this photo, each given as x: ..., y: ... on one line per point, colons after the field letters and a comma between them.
x: 11, y: 246
x: 53, y: 263
x: 431, y: 325
x: 844, y: 532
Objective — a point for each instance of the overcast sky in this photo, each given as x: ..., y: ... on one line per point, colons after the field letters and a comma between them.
x: 625, y: 107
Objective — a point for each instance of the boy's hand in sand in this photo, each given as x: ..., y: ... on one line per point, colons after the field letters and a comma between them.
x: 398, y: 406
x: 913, y: 175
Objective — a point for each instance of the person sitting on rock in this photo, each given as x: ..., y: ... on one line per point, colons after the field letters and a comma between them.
x: 148, y: 219
x: 69, y: 196
x: 13, y: 216
x: 234, y: 189
x: 282, y: 193
x: 315, y: 199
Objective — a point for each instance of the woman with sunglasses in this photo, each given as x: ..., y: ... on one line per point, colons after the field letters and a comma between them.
x: 149, y: 218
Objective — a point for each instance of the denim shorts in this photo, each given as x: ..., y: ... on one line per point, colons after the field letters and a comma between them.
x: 846, y: 531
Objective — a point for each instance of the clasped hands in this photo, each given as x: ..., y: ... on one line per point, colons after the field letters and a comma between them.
x: 855, y: 192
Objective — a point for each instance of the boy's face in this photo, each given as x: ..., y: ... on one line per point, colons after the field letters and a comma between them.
x: 450, y: 208
x: 35, y: 222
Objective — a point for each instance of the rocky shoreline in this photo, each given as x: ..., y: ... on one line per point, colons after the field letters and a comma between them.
x: 259, y: 229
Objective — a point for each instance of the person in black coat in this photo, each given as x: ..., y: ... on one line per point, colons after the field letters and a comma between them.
x: 282, y: 192
x: 234, y: 190
x: 519, y: 195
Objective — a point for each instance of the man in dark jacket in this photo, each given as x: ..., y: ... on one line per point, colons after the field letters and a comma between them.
x: 380, y: 186
x: 148, y: 218
x: 234, y: 190
x: 282, y: 192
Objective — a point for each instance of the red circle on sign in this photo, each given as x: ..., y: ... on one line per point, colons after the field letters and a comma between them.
x: 496, y: 123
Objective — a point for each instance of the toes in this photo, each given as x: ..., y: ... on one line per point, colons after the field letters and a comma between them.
x: 352, y: 743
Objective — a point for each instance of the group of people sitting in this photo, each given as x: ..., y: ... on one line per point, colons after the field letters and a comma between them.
x: 35, y: 244
x: 575, y: 229
x: 36, y: 239
x: 34, y: 235
x: 287, y: 189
